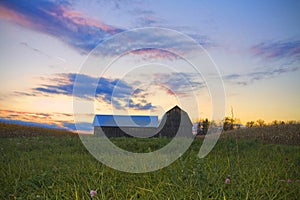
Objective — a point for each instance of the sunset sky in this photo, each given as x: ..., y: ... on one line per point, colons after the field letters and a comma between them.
x: 46, y: 45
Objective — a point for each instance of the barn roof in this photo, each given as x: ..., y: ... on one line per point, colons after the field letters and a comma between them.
x: 126, y: 121
x: 176, y: 108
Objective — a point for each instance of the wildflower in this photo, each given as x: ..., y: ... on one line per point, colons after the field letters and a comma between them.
x: 93, y: 193
x: 227, y: 181
x: 289, y: 180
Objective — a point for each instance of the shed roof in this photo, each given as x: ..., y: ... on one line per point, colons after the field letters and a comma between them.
x: 126, y: 121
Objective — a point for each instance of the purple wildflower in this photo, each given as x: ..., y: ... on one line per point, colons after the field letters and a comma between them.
x: 227, y: 181
x: 93, y: 193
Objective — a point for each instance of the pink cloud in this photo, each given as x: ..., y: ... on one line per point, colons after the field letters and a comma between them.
x: 81, y: 19
x: 48, y: 118
x: 11, y: 15
x: 153, y: 53
x: 58, y: 20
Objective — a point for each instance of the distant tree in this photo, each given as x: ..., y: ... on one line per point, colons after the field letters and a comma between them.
x: 291, y: 122
x: 260, y: 122
x: 199, y: 128
x: 202, y: 127
x: 213, y: 124
x: 228, y: 124
x: 205, y: 125
x: 231, y: 122
x: 275, y: 122
x: 250, y: 124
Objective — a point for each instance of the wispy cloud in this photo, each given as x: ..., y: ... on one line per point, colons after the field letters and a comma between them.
x: 19, y: 93
x: 248, y: 78
x: 47, y: 120
x: 149, y: 20
x: 279, y: 58
x: 40, y: 52
x: 13, y: 113
x: 58, y: 19
x: 30, y: 123
x: 154, y: 54
x: 152, y: 43
x: 145, y: 17
x: 181, y: 84
x: 277, y: 50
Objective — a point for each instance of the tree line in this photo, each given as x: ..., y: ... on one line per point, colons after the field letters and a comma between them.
x: 230, y: 123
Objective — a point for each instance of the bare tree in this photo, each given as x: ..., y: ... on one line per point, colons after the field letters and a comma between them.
x: 261, y: 122
x: 250, y: 124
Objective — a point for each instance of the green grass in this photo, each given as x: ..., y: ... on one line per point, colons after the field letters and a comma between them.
x: 51, y: 167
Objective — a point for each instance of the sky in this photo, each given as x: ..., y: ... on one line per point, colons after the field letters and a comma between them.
x: 65, y: 61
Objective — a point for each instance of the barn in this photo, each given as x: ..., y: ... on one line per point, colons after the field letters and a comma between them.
x: 175, y: 121
x: 120, y: 125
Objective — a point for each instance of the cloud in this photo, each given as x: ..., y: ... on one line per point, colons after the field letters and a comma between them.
x: 48, y: 120
x: 248, y: 78
x: 40, y: 52
x: 284, y: 54
x: 13, y: 113
x: 28, y: 123
x: 53, y: 120
x: 141, y: 12
x: 81, y: 127
x: 111, y: 91
x: 149, y: 20
x: 145, y: 17
x: 59, y: 20
x: 140, y: 106
x: 153, y: 53
x: 26, y: 45
x: 18, y: 93
x: 153, y: 41
x: 277, y: 50
x: 180, y: 83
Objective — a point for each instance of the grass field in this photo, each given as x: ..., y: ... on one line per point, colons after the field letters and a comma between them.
x: 57, y: 166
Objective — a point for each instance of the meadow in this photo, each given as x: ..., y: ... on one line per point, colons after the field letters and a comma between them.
x: 39, y: 163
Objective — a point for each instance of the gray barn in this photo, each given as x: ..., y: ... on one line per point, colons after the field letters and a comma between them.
x: 174, y: 122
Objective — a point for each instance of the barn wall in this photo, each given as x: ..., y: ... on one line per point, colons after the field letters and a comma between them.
x: 110, y: 131
x: 171, y: 124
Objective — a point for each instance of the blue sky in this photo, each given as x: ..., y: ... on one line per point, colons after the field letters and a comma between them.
x: 44, y: 45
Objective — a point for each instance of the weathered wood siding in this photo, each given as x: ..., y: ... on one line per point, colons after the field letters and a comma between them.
x: 110, y: 131
x: 175, y: 121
